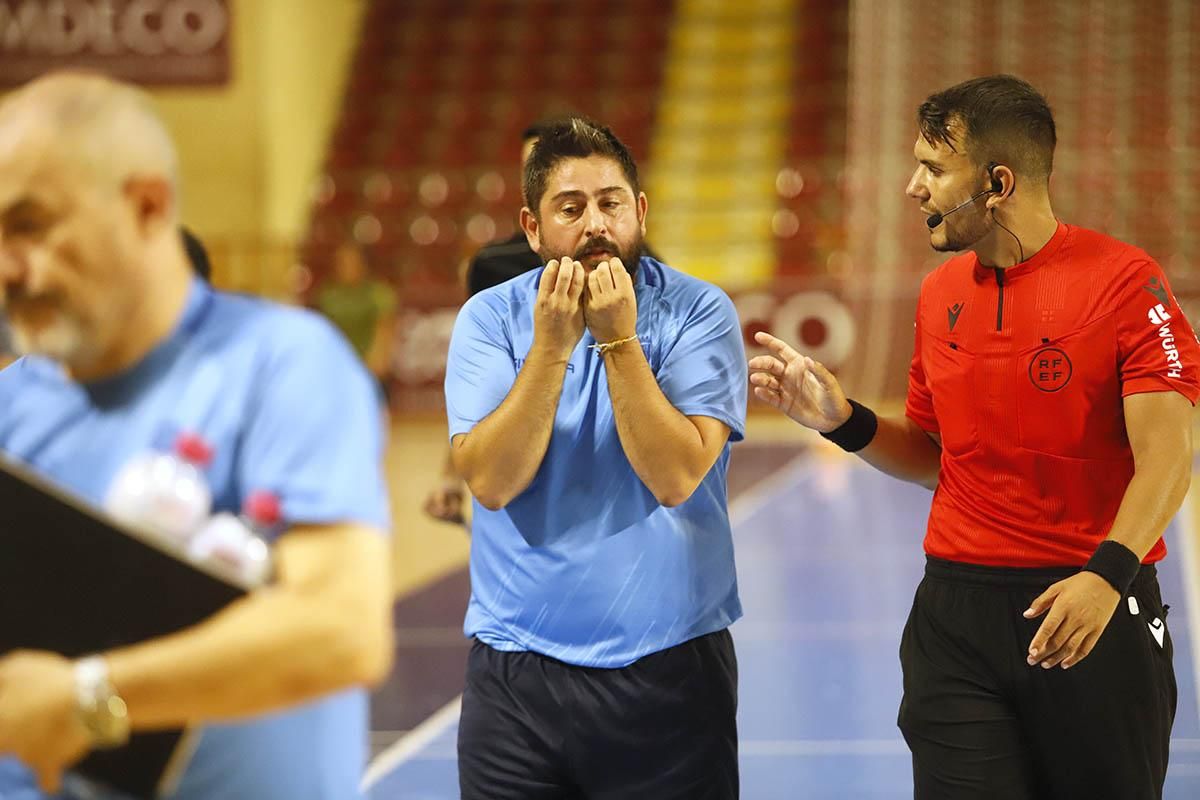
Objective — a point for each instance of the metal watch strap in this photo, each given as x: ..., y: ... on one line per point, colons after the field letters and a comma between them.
x: 101, y: 709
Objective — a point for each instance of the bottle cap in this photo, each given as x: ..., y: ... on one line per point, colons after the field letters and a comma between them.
x: 263, y: 509
x: 193, y: 449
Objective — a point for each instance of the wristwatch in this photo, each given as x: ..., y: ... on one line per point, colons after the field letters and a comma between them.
x: 101, y: 709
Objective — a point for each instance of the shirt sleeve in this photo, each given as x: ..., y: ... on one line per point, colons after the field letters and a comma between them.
x: 1156, y: 346
x: 315, y: 434
x: 480, y: 369
x: 919, y: 405
x: 704, y: 372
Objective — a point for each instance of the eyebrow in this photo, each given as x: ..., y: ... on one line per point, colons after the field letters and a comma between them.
x: 931, y: 164
x: 573, y: 193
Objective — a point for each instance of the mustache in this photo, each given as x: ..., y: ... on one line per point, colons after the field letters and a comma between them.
x: 597, y: 243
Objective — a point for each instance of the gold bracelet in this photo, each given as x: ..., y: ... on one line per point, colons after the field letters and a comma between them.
x: 604, y: 347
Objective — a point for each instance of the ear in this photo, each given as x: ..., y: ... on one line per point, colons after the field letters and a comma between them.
x: 533, y: 231
x: 153, y: 202
x: 641, y: 211
x: 1008, y: 184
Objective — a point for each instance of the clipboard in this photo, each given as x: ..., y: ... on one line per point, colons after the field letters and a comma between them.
x: 75, y: 581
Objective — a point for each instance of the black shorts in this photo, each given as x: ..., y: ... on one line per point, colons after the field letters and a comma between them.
x: 664, y: 727
x: 982, y: 723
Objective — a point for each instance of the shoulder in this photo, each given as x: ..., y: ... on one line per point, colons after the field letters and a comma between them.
x: 949, y: 273
x: 683, y: 292
x: 501, y: 261
x: 275, y: 331
x: 1118, y: 268
x: 495, y: 305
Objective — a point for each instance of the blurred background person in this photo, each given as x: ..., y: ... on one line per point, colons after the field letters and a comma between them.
x: 122, y: 342
x: 362, y: 307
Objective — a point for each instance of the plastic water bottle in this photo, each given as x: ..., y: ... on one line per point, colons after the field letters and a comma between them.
x: 237, y: 544
x: 165, y: 494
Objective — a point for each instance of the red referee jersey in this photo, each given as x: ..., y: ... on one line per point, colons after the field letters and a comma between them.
x: 1021, y: 372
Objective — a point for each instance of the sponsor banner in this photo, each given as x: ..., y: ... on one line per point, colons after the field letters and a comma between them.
x: 149, y: 42
x: 815, y: 320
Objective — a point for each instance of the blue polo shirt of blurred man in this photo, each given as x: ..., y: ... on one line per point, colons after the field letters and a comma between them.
x: 121, y: 345
x: 592, y: 406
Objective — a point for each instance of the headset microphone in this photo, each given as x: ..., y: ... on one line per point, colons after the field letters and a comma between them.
x: 933, y: 220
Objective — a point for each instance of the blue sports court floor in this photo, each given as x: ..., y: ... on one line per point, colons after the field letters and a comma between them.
x: 829, y: 553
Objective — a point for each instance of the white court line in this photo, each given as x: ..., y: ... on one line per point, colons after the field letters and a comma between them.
x: 412, y: 742
x: 407, y: 746
x: 1190, y: 556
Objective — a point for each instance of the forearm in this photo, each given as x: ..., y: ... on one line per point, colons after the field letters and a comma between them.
x: 262, y: 653
x: 663, y: 446
x: 501, y: 455
x: 1152, y: 498
x: 903, y: 450
x: 324, y: 625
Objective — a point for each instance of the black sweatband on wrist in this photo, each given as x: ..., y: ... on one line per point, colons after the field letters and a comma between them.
x: 857, y: 432
x: 1116, y: 563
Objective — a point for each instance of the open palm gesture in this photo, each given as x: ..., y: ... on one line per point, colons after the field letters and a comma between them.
x: 798, y: 386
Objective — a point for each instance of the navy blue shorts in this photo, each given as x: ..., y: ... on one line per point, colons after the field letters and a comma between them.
x: 664, y: 727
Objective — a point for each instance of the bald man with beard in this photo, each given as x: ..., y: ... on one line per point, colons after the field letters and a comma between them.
x: 121, y: 343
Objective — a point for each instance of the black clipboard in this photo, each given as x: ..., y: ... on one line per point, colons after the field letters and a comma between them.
x: 74, y: 581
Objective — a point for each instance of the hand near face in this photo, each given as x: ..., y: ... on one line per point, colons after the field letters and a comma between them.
x: 558, y: 314
x: 610, y: 303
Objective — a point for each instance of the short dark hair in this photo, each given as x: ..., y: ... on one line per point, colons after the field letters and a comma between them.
x: 572, y: 137
x: 536, y: 129
x: 1002, y: 119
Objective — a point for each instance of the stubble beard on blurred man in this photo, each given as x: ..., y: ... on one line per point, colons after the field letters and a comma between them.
x: 60, y: 338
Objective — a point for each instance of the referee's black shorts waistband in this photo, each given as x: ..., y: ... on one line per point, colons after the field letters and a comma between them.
x: 959, y: 572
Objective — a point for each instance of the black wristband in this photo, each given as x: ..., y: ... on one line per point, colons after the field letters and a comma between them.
x: 1116, y: 563
x: 857, y: 432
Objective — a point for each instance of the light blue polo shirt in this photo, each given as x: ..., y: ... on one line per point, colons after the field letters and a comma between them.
x: 585, y: 566
x: 288, y: 408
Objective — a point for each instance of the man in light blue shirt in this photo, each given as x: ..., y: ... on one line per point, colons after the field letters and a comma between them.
x: 124, y: 348
x: 591, y: 407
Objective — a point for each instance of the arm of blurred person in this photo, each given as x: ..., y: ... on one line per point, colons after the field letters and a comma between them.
x: 674, y: 425
x: 323, y: 626
x: 311, y: 437
x: 445, y: 501
x: 501, y: 419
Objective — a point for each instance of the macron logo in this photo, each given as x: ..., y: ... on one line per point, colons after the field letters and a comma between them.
x: 1158, y: 315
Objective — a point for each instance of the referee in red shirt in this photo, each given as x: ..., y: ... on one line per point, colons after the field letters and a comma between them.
x: 1049, y: 406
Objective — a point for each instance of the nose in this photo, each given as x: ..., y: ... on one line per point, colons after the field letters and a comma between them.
x: 594, y: 223
x: 916, y: 189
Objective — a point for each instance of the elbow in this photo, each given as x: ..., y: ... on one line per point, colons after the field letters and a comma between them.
x: 675, y: 494
x: 374, y: 663
x: 490, y: 497
x: 363, y: 655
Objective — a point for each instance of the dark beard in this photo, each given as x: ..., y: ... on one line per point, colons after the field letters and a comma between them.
x: 629, y: 256
x: 965, y: 235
